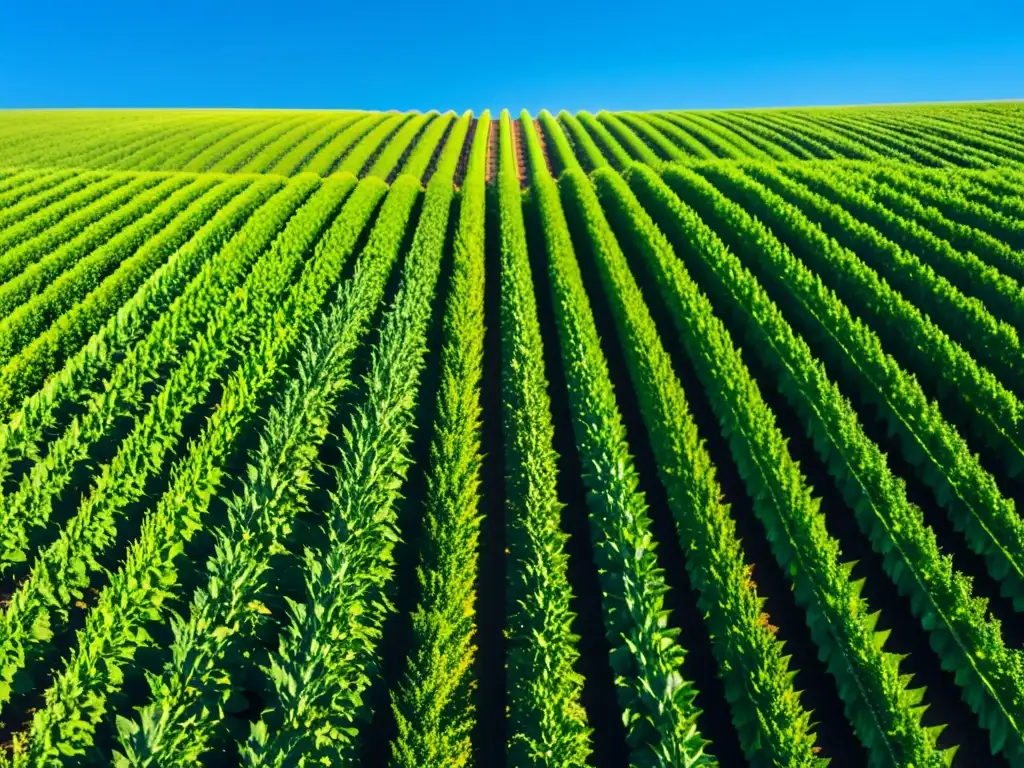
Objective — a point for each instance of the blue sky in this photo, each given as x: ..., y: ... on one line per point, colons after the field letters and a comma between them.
x: 472, y: 55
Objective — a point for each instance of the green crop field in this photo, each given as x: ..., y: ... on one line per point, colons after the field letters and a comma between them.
x: 443, y: 441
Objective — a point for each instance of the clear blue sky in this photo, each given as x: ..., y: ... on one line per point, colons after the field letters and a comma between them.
x: 459, y: 55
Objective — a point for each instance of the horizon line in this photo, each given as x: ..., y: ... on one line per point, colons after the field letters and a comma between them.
x: 474, y: 112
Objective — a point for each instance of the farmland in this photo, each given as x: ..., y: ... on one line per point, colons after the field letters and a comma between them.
x: 398, y: 439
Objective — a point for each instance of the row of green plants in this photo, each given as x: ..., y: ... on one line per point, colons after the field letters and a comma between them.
x: 164, y: 154
x: 20, y: 255
x: 40, y: 293
x: 878, y: 701
x: 33, y: 204
x: 909, y: 197
x: 940, y: 596
x: 177, y: 726
x: 295, y: 159
x: 974, y: 277
x: 547, y: 725
x: 107, y: 377
x: 52, y: 250
x: 773, y: 726
x: 326, y: 160
x: 23, y: 228
x: 65, y: 339
x: 941, y: 456
x: 968, y: 200
x: 391, y: 153
x: 38, y: 489
x: 25, y: 184
x: 63, y: 568
x: 267, y: 157
x: 656, y: 701
x: 78, y: 302
x: 148, y: 577
x: 433, y: 704
x: 328, y: 657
